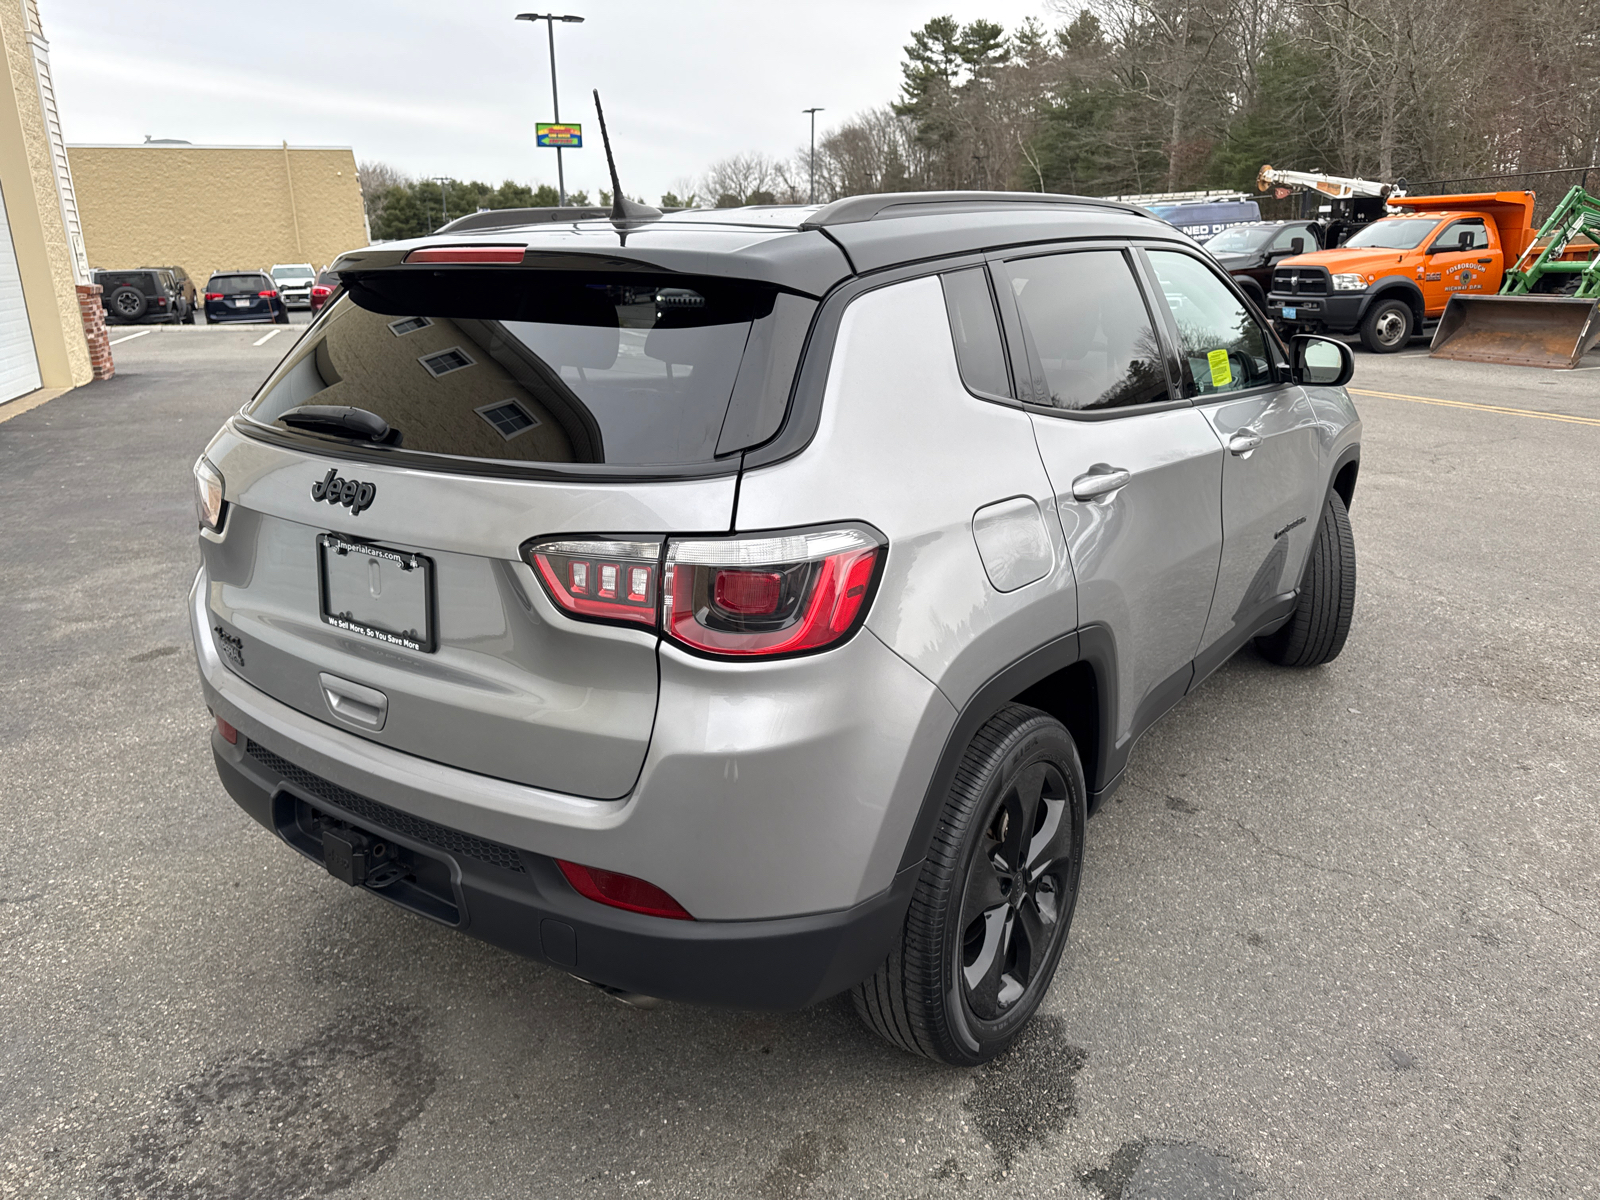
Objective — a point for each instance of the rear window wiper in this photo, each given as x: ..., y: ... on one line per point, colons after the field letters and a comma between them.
x: 342, y: 421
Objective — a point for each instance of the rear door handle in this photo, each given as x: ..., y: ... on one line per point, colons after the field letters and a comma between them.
x: 353, y: 702
x: 1100, y: 480
x: 1243, y: 442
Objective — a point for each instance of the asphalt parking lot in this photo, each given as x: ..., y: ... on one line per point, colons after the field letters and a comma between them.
x: 1337, y: 935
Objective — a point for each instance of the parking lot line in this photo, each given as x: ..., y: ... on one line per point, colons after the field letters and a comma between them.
x: 1494, y: 408
x: 128, y: 337
x: 266, y: 338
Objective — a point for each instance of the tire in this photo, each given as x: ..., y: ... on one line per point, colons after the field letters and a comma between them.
x: 933, y: 996
x: 1315, y: 632
x: 188, y: 317
x: 129, y: 303
x: 1388, y: 326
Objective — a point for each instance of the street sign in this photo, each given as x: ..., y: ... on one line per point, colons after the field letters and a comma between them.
x: 569, y: 137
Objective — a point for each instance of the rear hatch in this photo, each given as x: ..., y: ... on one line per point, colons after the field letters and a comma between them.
x: 380, y: 580
x: 239, y: 295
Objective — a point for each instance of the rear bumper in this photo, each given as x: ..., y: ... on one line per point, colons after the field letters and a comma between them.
x: 530, y: 909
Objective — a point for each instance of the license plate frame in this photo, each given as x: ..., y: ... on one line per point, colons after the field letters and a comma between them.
x: 335, y: 587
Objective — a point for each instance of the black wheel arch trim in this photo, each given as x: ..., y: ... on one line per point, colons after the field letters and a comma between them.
x: 1091, y: 644
x: 1395, y: 288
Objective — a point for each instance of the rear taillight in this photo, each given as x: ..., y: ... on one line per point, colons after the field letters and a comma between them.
x: 622, y: 891
x: 267, y: 295
x: 161, y: 301
x: 744, y: 597
x: 213, y: 295
x: 322, y: 291
x: 208, y: 494
x: 601, y: 580
x: 738, y: 597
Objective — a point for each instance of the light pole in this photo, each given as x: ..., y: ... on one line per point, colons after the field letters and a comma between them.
x: 444, y: 202
x: 813, y: 112
x: 550, y: 20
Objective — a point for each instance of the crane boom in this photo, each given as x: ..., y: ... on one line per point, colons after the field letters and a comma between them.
x: 1338, y: 187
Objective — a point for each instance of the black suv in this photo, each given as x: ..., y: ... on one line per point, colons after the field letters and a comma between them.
x: 187, y: 292
x: 146, y: 296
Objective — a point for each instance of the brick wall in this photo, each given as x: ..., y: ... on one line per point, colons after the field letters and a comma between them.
x: 94, y: 330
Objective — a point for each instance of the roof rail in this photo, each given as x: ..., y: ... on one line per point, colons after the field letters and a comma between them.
x: 853, y: 209
x: 504, y: 218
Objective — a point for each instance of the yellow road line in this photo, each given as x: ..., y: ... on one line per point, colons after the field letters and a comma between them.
x: 1494, y: 408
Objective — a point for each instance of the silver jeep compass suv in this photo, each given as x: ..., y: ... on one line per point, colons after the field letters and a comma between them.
x: 744, y: 607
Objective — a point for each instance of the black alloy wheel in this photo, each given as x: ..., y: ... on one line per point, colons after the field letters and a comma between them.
x: 993, y: 905
x: 129, y: 303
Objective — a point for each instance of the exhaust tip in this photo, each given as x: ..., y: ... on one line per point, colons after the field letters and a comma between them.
x: 632, y: 999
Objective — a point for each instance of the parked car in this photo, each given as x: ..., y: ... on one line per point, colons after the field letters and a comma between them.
x: 243, y: 296
x: 186, y: 291
x: 1202, y: 218
x: 294, y: 282
x: 1249, y: 252
x: 326, y: 284
x: 148, y: 295
x: 758, y: 613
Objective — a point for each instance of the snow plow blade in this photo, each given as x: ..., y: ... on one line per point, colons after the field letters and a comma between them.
x: 1522, y: 331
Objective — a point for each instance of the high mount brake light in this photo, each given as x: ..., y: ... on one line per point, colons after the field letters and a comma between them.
x: 738, y: 597
x: 758, y: 597
x: 622, y: 891
x: 468, y: 254
x: 599, y: 579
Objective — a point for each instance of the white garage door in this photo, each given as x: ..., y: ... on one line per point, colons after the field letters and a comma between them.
x: 19, y: 365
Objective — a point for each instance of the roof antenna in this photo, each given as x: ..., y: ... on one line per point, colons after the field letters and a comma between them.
x: 625, y: 213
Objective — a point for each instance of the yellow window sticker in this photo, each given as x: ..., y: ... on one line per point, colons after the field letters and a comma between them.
x: 1221, y: 372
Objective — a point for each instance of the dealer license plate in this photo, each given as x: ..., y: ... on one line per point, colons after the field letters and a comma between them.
x: 382, y: 594
x: 1288, y: 313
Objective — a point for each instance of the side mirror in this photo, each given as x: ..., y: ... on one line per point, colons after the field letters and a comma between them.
x: 1321, y: 361
x: 1297, y: 245
x: 1464, y: 242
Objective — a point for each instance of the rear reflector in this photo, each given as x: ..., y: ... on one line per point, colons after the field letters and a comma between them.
x: 622, y: 891
x: 228, y: 732
x: 467, y: 254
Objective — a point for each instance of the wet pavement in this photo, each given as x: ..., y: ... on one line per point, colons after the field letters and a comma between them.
x: 1337, y: 935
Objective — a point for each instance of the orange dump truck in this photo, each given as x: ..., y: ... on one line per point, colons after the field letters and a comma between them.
x: 1393, y: 278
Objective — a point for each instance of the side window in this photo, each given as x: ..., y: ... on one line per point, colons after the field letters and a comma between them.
x: 1090, y: 328
x: 1450, y: 239
x: 1286, y: 237
x: 1221, y: 346
x: 980, y: 353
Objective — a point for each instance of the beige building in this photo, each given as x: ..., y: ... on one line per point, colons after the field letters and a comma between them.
x: 217, y: 208
x: 43, y: 343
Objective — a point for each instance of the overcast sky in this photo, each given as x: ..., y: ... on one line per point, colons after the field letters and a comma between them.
x: 453, y: 87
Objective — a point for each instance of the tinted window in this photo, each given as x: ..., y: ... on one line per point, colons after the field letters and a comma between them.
x: 975, y: 327
x: 239, y: 285
x: 1392, y: 233
x: 1286, y: 237
x: 1090, y: 330
x: 1473, y: 226
x: 145, y: 281
x: 544, y: 366
x: 1221, y: 346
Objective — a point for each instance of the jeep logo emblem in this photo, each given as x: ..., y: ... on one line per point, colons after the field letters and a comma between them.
x: 354, y: 496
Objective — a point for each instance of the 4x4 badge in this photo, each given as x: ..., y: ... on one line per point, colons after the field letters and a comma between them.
x: 354, y: 496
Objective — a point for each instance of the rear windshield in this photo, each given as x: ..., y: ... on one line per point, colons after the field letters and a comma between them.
x: 553, y: 366
x: 145, y: 281
x: 238, y: 285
